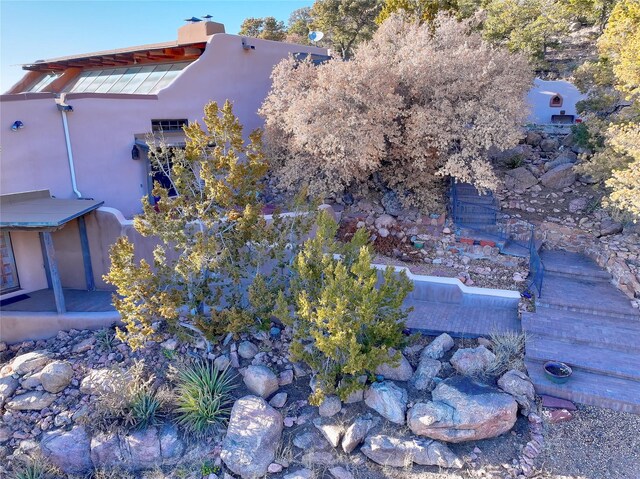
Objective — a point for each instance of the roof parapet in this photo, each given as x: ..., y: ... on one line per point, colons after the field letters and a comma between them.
x: 198, y: 32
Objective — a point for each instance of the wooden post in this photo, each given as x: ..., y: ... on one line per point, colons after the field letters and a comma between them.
x: 55, y: 275
x: 86, y: 254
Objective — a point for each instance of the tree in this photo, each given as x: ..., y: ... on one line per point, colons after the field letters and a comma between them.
x: 529, y: 26
x: 299, y: 26
x: 591, y: 12
x: 267, y: 28
x: 413, y: 105
x: 345, y: 23
x: 207, y: 273
x: 420, y: 10
x: 345, y: 323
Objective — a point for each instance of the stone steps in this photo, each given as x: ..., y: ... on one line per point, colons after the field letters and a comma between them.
x: 586, y: 357
x: 588, y: 388
x: 600, y: 331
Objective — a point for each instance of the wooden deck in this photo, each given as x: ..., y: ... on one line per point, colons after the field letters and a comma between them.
x: 76, y: 300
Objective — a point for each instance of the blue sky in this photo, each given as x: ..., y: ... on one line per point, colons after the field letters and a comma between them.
x: 33, y: 30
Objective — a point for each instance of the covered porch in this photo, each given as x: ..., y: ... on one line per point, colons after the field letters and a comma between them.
x: 75, y: 300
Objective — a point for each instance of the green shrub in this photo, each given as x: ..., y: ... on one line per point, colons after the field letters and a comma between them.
x: 203, y: 397
x: 345, y: 318
x: 105, y: 340
x: 145, y: 408
x: 36, y: 467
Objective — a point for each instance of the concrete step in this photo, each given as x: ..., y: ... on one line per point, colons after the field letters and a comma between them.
x: 585, y: 357
x: 585, y: 295
x: 588, y: 388
x: 600, y: 331
x: 572, y: 265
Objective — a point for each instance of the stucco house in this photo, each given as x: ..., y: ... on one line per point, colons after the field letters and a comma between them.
x: 73, y: 137
x: 553, y: 102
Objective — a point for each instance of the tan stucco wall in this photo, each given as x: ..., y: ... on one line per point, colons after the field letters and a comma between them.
x: 102, y: 127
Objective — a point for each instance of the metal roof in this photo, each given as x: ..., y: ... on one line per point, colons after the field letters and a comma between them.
x: 37, y: 210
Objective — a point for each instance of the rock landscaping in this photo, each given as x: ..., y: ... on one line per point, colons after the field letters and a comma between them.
x: 272, y: 430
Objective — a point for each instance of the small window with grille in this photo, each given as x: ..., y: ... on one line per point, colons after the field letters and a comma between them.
x: 168, y: 125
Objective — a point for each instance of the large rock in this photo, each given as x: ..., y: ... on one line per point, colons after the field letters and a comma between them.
x: 253, y: 435
x: 517, y: 384
x: 463, y: 410
x: 563, y: 158
x: 519, y: 179
x: 102, y: 381
x: 331, y: 431
x: 261, y: 380
x: 399, y: 452
x: 356, y: 433
x: 559, y: 177
x: 389, y: 400
x: 391, y: 203
x: 402, y: 372
x: 578, y: 204
x: 171, y: 446
x: 31, y: 401
x: 247, y: 350
x: 609, y: 227
x: 471, y: 361
x: 438, y: 347
x: 144, y: 447
x: 385, y: 221
x: 56, y: 376
x: 533, y: 138
x: 30, y: 362
x: 68, y: 450
x: 8, y: 386
x: 107, y: 451
x: 427, y: 370
x: 549, y: 144
x: 331, y: 405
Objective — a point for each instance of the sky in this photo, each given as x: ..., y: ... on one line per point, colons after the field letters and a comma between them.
x: 31, y: 30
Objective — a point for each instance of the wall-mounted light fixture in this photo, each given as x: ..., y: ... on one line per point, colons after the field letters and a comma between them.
x: 17, y: 125
x: 246, y: 46
x: 135, y: 152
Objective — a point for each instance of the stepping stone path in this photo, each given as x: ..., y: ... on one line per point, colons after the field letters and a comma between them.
x: 583, y: 320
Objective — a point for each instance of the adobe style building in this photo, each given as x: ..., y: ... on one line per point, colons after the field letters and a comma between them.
x: 72, y: 137
x: 553, y: 102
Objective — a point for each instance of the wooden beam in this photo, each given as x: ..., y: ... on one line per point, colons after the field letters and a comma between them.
x: 86, y: 254
x: 55, y: 274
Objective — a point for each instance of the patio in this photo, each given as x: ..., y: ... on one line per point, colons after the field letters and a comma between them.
x: 76, y: 301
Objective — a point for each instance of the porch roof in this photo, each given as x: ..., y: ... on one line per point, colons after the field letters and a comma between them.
x: 38, y: 211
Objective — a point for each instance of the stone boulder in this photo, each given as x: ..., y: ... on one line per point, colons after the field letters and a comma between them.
x: 563, y: 158
x: 30, y: 362
x: 331, y: 431
x: 247, y: 350
x: 253, y: 435
x: 8, y: 386
x: 519, y: 179
x: 144, y: 448
x: 107, y: 451
x: 31, y: 401
x: 261, y: 380
x: 68, y: 450
x: 392, y: 203
x: 609, y: 227
x: 438, y: 347
x: 463, y: 410
x: 559, y: 177
x: 577, y: 205
x: 519, y: 385
x: 56, y: 376
x: 549, y: 144
x: 385, y: 221
x: 389, y: 400
x: 102, y: 381
x: 399, y: 452
x: 357, y: 431
x: 471, y: 361
x: 402, y: 372
x: 331, y: 405
x: 533, y: 138
x: 427, y: 370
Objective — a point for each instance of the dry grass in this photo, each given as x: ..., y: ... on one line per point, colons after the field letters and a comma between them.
x: 509, y: 350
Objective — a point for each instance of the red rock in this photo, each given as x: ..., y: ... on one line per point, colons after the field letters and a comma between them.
x: 557, y: 403
x: 466, y: 241
x: 487, y: 243
x: 559, y: 415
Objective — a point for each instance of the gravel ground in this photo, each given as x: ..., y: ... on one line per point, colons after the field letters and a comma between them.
x: 596, y: 444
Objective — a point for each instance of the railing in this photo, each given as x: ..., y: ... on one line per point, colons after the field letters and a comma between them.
x: 486, y: 219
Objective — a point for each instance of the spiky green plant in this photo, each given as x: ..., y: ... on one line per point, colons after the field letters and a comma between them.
x: 145, y: 408
x: 203, y: 397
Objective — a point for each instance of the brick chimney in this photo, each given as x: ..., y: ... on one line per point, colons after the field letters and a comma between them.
x: 198, y: 32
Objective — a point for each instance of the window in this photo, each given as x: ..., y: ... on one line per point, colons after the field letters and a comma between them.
x: 43, y: 82
x: 8, y: 273
x: 168, y: 125
x: 556, y: 101
x: 138, y: 79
